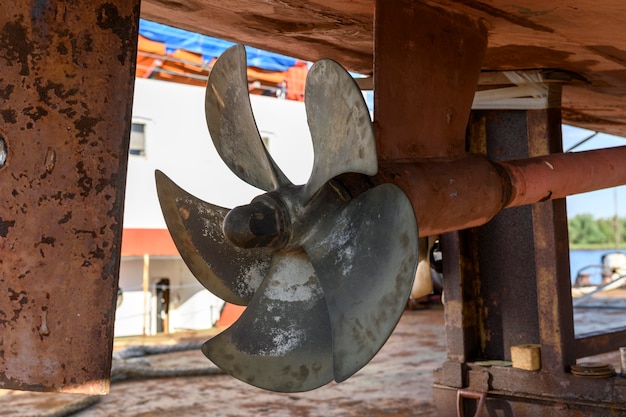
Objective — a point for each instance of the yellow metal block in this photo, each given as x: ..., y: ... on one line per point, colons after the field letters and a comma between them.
x: 526, y: 357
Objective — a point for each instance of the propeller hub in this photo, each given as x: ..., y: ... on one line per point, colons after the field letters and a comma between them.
x: 262, y: 223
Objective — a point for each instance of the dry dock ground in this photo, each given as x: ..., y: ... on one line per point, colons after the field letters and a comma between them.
x: 396, y: 383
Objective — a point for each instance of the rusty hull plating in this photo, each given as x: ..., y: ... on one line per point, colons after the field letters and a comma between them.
x: 66, y: 83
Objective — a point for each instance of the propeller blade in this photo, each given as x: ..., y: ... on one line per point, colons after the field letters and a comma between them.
x: 282, y: 341
x: 340, y: 125
x: 232, y: 126
x: 322, y: 310
x: 231, y: 273
x: 365, y: 256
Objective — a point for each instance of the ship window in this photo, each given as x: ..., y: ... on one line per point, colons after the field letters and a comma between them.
x: 137, y: 139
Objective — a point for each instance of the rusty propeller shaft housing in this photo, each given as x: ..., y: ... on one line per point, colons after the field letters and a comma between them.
x: 457, y: 193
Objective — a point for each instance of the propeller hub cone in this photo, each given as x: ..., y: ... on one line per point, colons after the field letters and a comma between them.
x: 262, y: 223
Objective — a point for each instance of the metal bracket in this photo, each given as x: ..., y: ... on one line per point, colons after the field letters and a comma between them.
x: 473, y: 395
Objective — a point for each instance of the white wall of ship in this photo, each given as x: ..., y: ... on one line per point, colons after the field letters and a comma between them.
x: 176, y: 141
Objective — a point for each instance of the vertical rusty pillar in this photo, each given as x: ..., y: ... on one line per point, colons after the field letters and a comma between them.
x: 66, y: 84
x: 507, y: 282
x: 521, y: 255
x: 461, y: 296
x: 506, y: 249
x: 554, y: 291
x: 523, y: 251
x: 463, y: 305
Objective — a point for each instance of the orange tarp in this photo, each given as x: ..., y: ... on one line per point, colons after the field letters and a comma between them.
x: 189, y: 68
x: 295, y: 80
x: 185, y: 67
x: 230, y: 314
x: 150, y: 58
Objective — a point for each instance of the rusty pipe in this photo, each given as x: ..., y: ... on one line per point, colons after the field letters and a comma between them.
x: 559, y: 175
x: 448, y: 194
x: 468, y: 191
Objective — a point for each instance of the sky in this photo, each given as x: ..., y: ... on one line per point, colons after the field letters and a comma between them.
x: 601, y: 203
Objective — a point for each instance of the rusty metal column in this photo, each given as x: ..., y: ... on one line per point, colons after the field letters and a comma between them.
x: 508, y: 280
x: 554, y: 291
x: 524, y: 252
x: 66, y: 84
x: 505, y: 245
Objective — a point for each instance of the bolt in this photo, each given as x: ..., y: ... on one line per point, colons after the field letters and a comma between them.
x: 51, y: 158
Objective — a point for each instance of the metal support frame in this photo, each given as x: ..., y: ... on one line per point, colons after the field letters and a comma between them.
x: 507, y: 283
x: 66, y: 88
x: 507, y: 272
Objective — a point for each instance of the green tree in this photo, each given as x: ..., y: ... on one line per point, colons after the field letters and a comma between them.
x: 584, y: 229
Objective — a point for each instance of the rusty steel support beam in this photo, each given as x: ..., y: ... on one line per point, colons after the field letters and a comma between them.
x: 516, y: 265
x: 426, y: 67
x: 595, y: 343
x: 66, y: 84
x: 507, y: 283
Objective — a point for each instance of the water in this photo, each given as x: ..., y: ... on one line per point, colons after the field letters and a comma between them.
x: 579, y: 259
x: 597, y: 314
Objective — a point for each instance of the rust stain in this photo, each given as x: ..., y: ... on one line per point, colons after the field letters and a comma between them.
x: 15, y: 45
x: 63, y: 188
x: 525, y: 11
x: 85, y: 126
x: 576, y: 117
x: 5, y: 225
x: 609, y: 52
x: 9, y: 115
x: 109, y: 18
x: 185, y: 6
x: 46, y: 87
x: 515, y: 56
x: 508, y: 16
x: 6, y: 92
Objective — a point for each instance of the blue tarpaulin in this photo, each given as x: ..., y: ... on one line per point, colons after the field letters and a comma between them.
x: 209, y: 47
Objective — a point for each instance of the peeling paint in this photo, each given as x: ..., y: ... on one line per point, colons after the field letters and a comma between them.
x: 15, y: 45
x: 9, y: 115
x: 63, y: 188
x: 109, y: 18
x: 5, y: 225
x: 5, y: 93
x: 50, y: 161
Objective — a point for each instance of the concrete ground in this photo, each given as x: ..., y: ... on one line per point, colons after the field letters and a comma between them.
x: 397, y: 382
